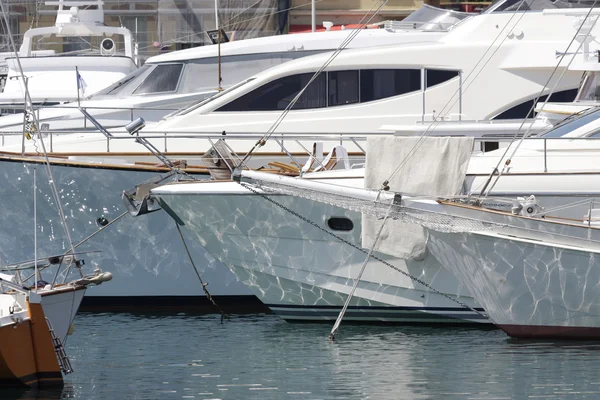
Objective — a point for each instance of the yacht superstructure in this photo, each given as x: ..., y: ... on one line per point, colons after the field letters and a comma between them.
x: 170, y: 81
x: 52, y: 77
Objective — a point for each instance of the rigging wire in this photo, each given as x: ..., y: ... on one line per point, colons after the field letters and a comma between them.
x: 527, y: 132
x: 331, y: 58
x: 237, y: 22
x: 360, y: 249
x: 449, y: 104
x: 338, y: 321
x: 29, y: 104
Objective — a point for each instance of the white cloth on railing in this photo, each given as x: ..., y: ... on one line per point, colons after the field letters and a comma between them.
x: 434, y: 166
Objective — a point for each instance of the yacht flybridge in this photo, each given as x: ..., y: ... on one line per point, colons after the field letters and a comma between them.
x: 170, y: 81
x: 102, y: 55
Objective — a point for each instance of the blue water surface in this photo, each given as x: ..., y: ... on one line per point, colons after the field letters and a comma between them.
x: 130, y: 356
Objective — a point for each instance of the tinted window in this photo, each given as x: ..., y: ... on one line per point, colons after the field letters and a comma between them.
x: 436, y: 76
x: 343, y: 87
x: 378, y: 84
x: 573, y: 122
x: 120, y: 85
x: 523, y: 110
x: 164, y: 78
x: 202, y: 74
x: 278, y: 94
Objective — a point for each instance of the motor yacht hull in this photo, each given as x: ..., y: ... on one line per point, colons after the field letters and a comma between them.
x: 301, y: 271
x: 145, y: 255
x: 535, y: 279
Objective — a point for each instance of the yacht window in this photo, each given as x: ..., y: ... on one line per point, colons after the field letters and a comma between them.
x: 278, y: 94
x: 436, y: 76
x: 378, y: 84
x: 204, y: 101
x: 573, y: 122
x: 164, y: 78
x: 590, y: 90
x: 343, y: 87
x: 524, y: 110
x: 120, y: 85
x: 201, y: 75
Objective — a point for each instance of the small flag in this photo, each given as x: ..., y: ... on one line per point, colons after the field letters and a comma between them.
x: 81, y: 85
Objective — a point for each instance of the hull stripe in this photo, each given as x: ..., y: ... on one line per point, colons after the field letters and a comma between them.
x: 551, y: 332
x: 379, y: 313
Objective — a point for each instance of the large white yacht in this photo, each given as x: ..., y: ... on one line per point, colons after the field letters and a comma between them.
x: 170, y: 81
x: 106, y: 57
x: 147, y: 253
x: 362, y: 89
x: 300, y: 255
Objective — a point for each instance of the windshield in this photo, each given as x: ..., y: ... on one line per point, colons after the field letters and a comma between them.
x: 573, y: 122
x: 206, y: 101
x: 116, y: 87
x: 432, y: 18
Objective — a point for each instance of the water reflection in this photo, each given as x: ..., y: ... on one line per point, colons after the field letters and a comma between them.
x: 37, y: 394
x: 263, y: 357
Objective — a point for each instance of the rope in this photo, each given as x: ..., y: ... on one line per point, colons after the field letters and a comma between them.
x: 337, y: 323
x: 408, y: 275
x: 208, y: 295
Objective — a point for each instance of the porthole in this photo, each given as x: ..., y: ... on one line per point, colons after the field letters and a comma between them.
x: 340, y: 224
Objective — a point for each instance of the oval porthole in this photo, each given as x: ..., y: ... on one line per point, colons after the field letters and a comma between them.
x: 340, y: 224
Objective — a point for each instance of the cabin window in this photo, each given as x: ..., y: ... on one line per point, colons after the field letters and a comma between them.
x: 343, y: 88
x: 201, y: 74
x: 524, y: 110
x: 378, y: 84
x: 329, y: 89
x: 340, y: 224
x: 163, y: 78
x: 436, y: 76
x: 278, y: 94
x: 124, y: 83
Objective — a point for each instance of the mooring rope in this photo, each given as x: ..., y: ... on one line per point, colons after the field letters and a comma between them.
x: 338, y: 321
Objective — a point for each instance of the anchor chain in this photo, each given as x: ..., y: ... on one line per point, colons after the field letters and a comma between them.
x: 415, y: 279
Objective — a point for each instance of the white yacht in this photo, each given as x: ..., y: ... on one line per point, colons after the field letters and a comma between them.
x: 170, y: 81
x: 147, y: 253
x: 106, y: 57
x: 300, y: 256
x: 363, y: 89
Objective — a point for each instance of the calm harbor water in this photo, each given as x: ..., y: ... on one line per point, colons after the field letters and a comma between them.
x: 129, y: 356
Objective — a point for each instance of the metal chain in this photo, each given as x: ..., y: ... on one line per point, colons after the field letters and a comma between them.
x: 415, y: 279
x: 210, y: 298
